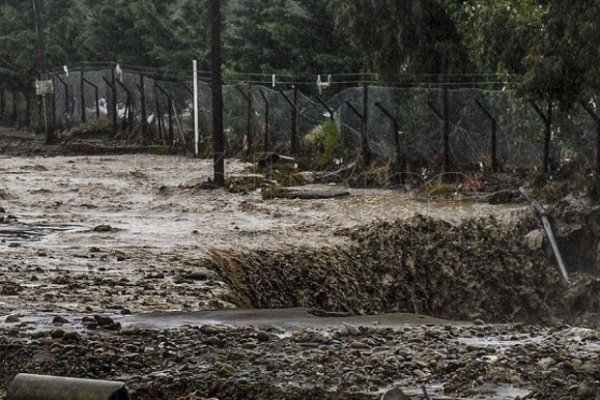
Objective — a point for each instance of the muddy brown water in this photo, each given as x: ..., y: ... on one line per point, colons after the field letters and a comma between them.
x: 163, y: 225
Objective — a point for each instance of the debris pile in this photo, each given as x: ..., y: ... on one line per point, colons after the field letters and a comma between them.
x: 479, y: 269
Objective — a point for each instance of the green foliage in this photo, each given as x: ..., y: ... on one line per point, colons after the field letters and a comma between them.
x: 272, y: 191
x: 498, y: 34
x: 101, y: 127
x: 326, y: 141
x: 396, y: 37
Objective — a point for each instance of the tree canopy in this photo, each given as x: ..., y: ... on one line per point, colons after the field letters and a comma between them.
x: 549, y: 46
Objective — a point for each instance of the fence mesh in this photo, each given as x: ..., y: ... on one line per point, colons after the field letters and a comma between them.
x: 165, y: 110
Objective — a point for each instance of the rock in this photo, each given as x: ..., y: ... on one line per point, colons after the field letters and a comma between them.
x: 350, y: 330
x: 103, y: 321
x: 586, y: 390
x: 394, y: 394
x: 129, y: 331
x: 354, y: 344
x: 503, y: 197
x: 224, y: 368
x: 535, y: 239
x: 58, y: 320
x: 71, y: 337
x: 104, y: 228
x: 12, y: 319
x: 8, y: 288
x: 213, y: 341
x: 263, y: 337
x: 57, y: 334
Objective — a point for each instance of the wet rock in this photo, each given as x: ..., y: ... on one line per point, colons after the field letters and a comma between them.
x: 586, y: 390
x: 71, y: 337
x: 107, y: 323
x: 503, y: 197
x: 535, y: 239
x: 59, y: 320
x: 8, y: 288
x: 263, y: 337
x: 394, y: 394
x: 12, y: 319
x: 57, y: 334
x: 104, y: 229
x: 130, y: 331
x: 213, y: 341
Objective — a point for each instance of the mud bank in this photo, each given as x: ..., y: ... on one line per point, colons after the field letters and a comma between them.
x: 478, y: 269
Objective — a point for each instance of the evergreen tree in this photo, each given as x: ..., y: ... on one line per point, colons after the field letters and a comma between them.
x: 259, y: 36
x: 415, y: 36
x: 17, y: 45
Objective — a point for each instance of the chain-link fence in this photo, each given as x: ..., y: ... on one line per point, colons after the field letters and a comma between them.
x: 262, y: 118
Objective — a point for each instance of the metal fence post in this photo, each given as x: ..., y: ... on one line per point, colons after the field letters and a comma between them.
x: 82, y: 89
x: 396, y: 133
x: 365, y: 156
x: 113, y: 86
x: 66, y: 87
x: 143, y: 107
x: 97, y: 96
x: 596, y: 119
x: 159, y: 119
x: 249, y: 134
x: 15, y: 109
x: 324, y: 104
x: 128, y: 117
x: 547, y: 118
x: 294, y: 121
x: 494, y: 139
x: 365, y: 126
x: 170, y: 110
x: 114, y: 105
x: 267, y: 144
x: 2, y: 105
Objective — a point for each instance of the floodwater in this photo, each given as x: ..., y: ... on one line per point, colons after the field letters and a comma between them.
x: 143, y: 267
x: 158, y: 224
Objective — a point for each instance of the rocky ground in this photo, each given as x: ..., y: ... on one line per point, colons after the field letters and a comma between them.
x: 108, y: 262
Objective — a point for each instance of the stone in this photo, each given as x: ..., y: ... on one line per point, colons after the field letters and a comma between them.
x: 59, y: 320
x: 71, y: 337
x: 12, y: 319
x: 535, y: 239
x: 57, y: 334
x: 586, y: 391
x: 213, y: 341
x: 503, y: 197
x: 394, y: 394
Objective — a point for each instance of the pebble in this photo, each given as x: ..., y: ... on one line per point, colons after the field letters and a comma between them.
x: 12, y: 319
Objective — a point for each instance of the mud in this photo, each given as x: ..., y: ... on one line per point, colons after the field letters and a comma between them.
x: 130, y: 301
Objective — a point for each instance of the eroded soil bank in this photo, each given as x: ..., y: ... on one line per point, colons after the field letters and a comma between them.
x: 99, y: 242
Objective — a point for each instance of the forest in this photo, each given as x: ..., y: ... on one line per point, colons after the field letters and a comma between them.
x: 547, y: 47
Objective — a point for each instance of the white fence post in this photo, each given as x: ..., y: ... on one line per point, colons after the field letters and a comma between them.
x: 196, y: 123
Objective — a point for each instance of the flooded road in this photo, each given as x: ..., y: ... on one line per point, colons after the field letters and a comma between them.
x: 106, y: 233
x: 104, y: 275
